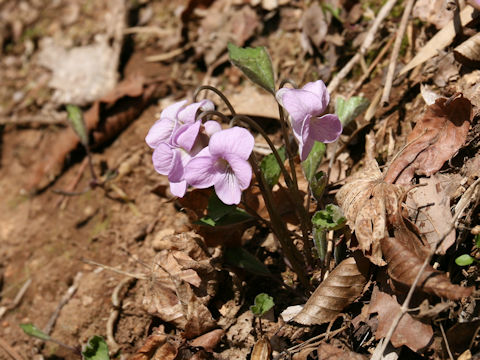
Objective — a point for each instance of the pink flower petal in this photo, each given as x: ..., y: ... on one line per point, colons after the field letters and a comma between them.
x: 200, y: 171
x: 211, y: 127
x: 235, y: 140
x: 318, y: 88
x: 178, y: 188
x: 170, y: 112
x: 242, y: 170
x: 187, y: 115
x: 305, y: 147
x: 300, y: 104
x: 162, y: 158
x: 326, y: 129
x: 228, y: 189
x: 160, y: 132
x: 177, y: 168
x: 186, y: 134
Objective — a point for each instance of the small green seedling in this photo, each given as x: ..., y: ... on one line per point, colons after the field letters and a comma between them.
x: 263, y: 303
x: 465, y: 260
x: 95, y: 349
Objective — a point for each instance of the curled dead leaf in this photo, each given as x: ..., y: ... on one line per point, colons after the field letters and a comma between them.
x: 437, y: 136
x: 404, y: 265
x: 262, y: 350
x: 367, y: 203
x: 334, y: 294
x: 468, y: 52
x: 158, y: 346
x: 409, y: 331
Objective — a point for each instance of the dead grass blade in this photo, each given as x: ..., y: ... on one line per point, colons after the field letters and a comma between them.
x: 468, y: 52
x: 437, y: 136
x: 441, y: 39
x: 404, y: 265
x: 336, y: 292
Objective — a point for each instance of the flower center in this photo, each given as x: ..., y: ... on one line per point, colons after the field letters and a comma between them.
x: 222, y: 166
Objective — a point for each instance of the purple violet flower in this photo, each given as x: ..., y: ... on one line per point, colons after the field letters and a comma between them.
x: 175, y: 138
x: 177, y: 117
x: 305, y: 107
x: 223, y: 164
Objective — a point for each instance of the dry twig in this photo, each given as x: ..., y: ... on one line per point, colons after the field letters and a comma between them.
x: 382, y: 14
x: 18, y: 298
x: 9, y: 350
x: 395, y: 52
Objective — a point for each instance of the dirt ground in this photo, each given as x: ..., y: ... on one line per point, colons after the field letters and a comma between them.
x: 48, y: 240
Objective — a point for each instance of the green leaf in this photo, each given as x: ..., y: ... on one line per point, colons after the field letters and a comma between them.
x: 477, y: 240
x: 318, y: 184
x: 255, y: 63
x: 216, y: 209
x: 329, y: 219
x: 348, y: 110
x: 241, y: 258
x: 263, y: 303
x: 334, y: 11
x: 270, y: 167
x: 32, y: 330
x: 75, y: 118
x: 464, y: 260
x: 312, y: 162
x: 320, y: 242
x: 220, y: 214
x: 95, y: 349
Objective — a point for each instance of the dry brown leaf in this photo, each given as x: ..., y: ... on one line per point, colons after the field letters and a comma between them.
x: 404, y: 265
x: 314, y: 27
x: 367, y: 203
x: 157, y: 346
x: 182, y: 286
x: 209, y: 340
x: 235, y: 25
x: 429, y: 207
x: 410, y: 332
x: 461, y: 334
x: 331, y: 352
x: 334, y: 294
x: 441, y: 39
x: 437, y: 136
x: 433, y: 12
x: 468, y: 52
x: 262, y: 350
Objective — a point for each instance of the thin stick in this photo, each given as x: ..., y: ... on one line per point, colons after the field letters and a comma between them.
x: 18, y: 298
x: 372, y: 66
x: 446, y: 342
x: 382, y: 14
x: 9, y: 350
x: 116, y: 303
x: 118, y: 271
x: 396, y: 50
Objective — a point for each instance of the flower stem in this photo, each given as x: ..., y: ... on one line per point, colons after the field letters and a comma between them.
x: 218, y: 92
x: 279, y: 227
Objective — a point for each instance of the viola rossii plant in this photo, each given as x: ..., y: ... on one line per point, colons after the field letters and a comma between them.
x: 193, y: 149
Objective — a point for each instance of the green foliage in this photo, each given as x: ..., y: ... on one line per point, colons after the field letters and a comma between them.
x: 318, y: 184
x: 312, y: 162
x: 255, y: 63
x: 334, y: 11
x: 320, y: 242
x: 263, y: 303
x: 32, y: 330
x: 95, y: 349
x: 75, y: 118
x: 241, y: 258
x: 348, y: 110
x: 329, y: 219
x: 464, y: 260
x: 270, y: 167
x: 477, y: 240
x: 220, y: 214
